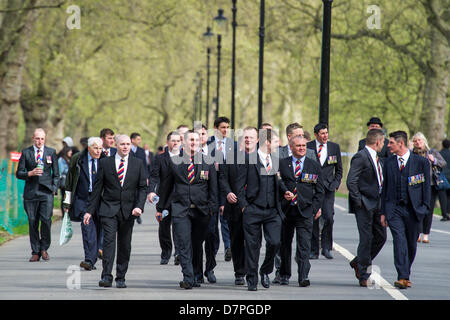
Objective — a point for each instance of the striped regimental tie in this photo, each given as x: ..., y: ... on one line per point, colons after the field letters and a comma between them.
x: 38, y: 156
x: 268, y: 167
x: 402, y: 163
x: 191, y: 170
x: 297, y: 175
x: 121, y: 171
x: 320, y: 150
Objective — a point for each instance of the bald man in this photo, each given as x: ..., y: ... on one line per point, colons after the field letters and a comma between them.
x: 38, y: 166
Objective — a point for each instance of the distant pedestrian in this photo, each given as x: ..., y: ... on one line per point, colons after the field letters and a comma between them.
x: 63, y: 166
x: 436, y: 161
x: 445, y: 153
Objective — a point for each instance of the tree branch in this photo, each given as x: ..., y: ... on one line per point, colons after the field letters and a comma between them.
x: 59, y: 5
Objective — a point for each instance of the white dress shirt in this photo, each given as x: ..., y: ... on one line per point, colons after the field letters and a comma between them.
x: 263, y: 158
x: 125, y: 165
x: 373, y: 155
x: 223, y: 145
x: 204, y: 149
x: 90, y: 170
x: 41, y: 152
x: 405, y: 158
x: 323, y: 153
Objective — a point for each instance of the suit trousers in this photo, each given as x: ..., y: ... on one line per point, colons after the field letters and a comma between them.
x: 91, y: 238
x: 372, y: 236
x: 405, y: 231
x: 302, y: 226
x: 212, y: 243
x: 255, y: 220
x: 237, y: 246
x: 165, y: 237
x: 425, y: 226
x: 190, y: 233
x: 116, y: 226
x: 40, y: 209
x: 326, y: 236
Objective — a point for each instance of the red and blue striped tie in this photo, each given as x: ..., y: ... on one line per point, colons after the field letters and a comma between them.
x: 191, y: 170
x: 38, y: 157
x: 297, y: 174
x: 121, y: 171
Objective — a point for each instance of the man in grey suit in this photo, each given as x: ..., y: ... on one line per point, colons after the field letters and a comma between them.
x: 364, y: 183
x: 293, y: 130
x: 38, y: 166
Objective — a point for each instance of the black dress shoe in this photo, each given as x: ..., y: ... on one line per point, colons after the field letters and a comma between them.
x: 105, y: 283
x: 185, y: 285
x: 164, y: 261
x: 177, y: 260
x: 252, y: 287
x: 326, y: 253
x: 120, y: 284
x: 445, y: 219
x: 196, y: 284
x: 239, y: 281
x: 313, y: 256
x: 354, y: 265
x: 86, y: 265
x: 277, y: 277
x: 211, y: 277
x: 304, y: 283
x: 284, y: 281
x: 228, y: 254
x: 265, y: 281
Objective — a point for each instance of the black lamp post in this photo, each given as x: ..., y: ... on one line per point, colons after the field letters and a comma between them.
x: 233, y: 65
x: 208, y: 35
x: 222, y: 27
x: 325, y: 66
x: 261, y: 62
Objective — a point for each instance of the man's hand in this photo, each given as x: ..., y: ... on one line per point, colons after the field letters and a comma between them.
x: 221, y: 210
x: 383, y: 221
x: 150, y: 197
x: 158, y: 216
x: 288, y: 195
x: 87, y: 218
x: 35, y: 172
x: 318, y: 214
x: 231, y: 197
x: 431, y: 158
x: 136, y: 212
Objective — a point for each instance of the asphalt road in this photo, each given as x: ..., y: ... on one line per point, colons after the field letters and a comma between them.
x: 57, y: 279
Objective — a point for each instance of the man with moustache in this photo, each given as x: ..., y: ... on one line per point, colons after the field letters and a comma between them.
x: 405, y: 200
x: 38, y: 166
x: 364, y: 183
x: 194, y: 200
x: 159, y: 186
x: 303, y: 188
x: 118, y: 199
x: 80, y: 181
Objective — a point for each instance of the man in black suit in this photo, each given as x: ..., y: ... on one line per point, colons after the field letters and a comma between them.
x: 302, y: 182
x: 293, y: 130
x: 107, y: 136
x: 38, y: 166
x: 139, y: 153
x: 159, y: 185
x: 405, y: 200
x: 259, y: 200
x: 80, y: 181
x: 375, y: 123
x: 329, y: 156
x: 228, y: 176
x: 193, y: 201
x: 118, y: 198
x: 364, y: 183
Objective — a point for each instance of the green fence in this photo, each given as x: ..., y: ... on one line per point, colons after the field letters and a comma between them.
x: 12, y: 213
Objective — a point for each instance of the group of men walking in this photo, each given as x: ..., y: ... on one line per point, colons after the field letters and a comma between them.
x: 252, y: 186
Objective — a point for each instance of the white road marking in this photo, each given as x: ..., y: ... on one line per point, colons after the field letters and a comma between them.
x: 379, y: 280
x: 440, y: 231
x: 340, y: 207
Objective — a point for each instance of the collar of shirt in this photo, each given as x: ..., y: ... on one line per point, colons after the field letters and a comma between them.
x: 173, y: 154
x: 134, y: 148
x: 289, y: 150
x: 223, y: 141
x: 405, y: 158
x: 36, y: 149
x: 120, y: 158
x: 319, y: 143
x: 373, y: 155
x: 302, y: 162
x: 204, y: 149
x: 263, y: 158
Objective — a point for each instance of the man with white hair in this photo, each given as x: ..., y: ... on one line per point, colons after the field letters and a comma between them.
x: 80, y: 180
x: 117, y: 199
x: 38, y: 166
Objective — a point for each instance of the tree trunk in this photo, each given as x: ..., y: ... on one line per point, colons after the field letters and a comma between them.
x: 15, y: 36
x: 436, y: 88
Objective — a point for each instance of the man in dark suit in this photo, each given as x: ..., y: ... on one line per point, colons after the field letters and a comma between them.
x: 228, y: 176
x: 364, y: 183
x: 119, y: 194
x: 375, y: 123
x: 302, y: 181
x: 38, y: 166
x: 259, y: 200
x: 329, y: 156
x: 405, y: 200
x: 80, y: 181
x: 139, y: 153
x: 194, y: 200
x: 107, y: 136
x: 159, y: 185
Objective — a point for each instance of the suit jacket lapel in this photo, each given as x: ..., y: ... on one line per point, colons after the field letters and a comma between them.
x: 374, y: 165
x: 85, y: 165
x: 291, y: 169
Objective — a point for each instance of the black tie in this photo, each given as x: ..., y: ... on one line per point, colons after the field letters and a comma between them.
x: 93, y: 171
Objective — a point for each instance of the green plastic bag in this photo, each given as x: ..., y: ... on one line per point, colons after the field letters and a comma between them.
x: 66, y: 230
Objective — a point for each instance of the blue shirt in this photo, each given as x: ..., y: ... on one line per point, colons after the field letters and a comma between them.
x: 294, y: 164
x: 90, y: 170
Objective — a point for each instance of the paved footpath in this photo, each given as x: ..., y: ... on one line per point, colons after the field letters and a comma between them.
x: 148, y: 280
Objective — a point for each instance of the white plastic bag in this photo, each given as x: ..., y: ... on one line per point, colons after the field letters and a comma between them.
x: 66, y: 230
